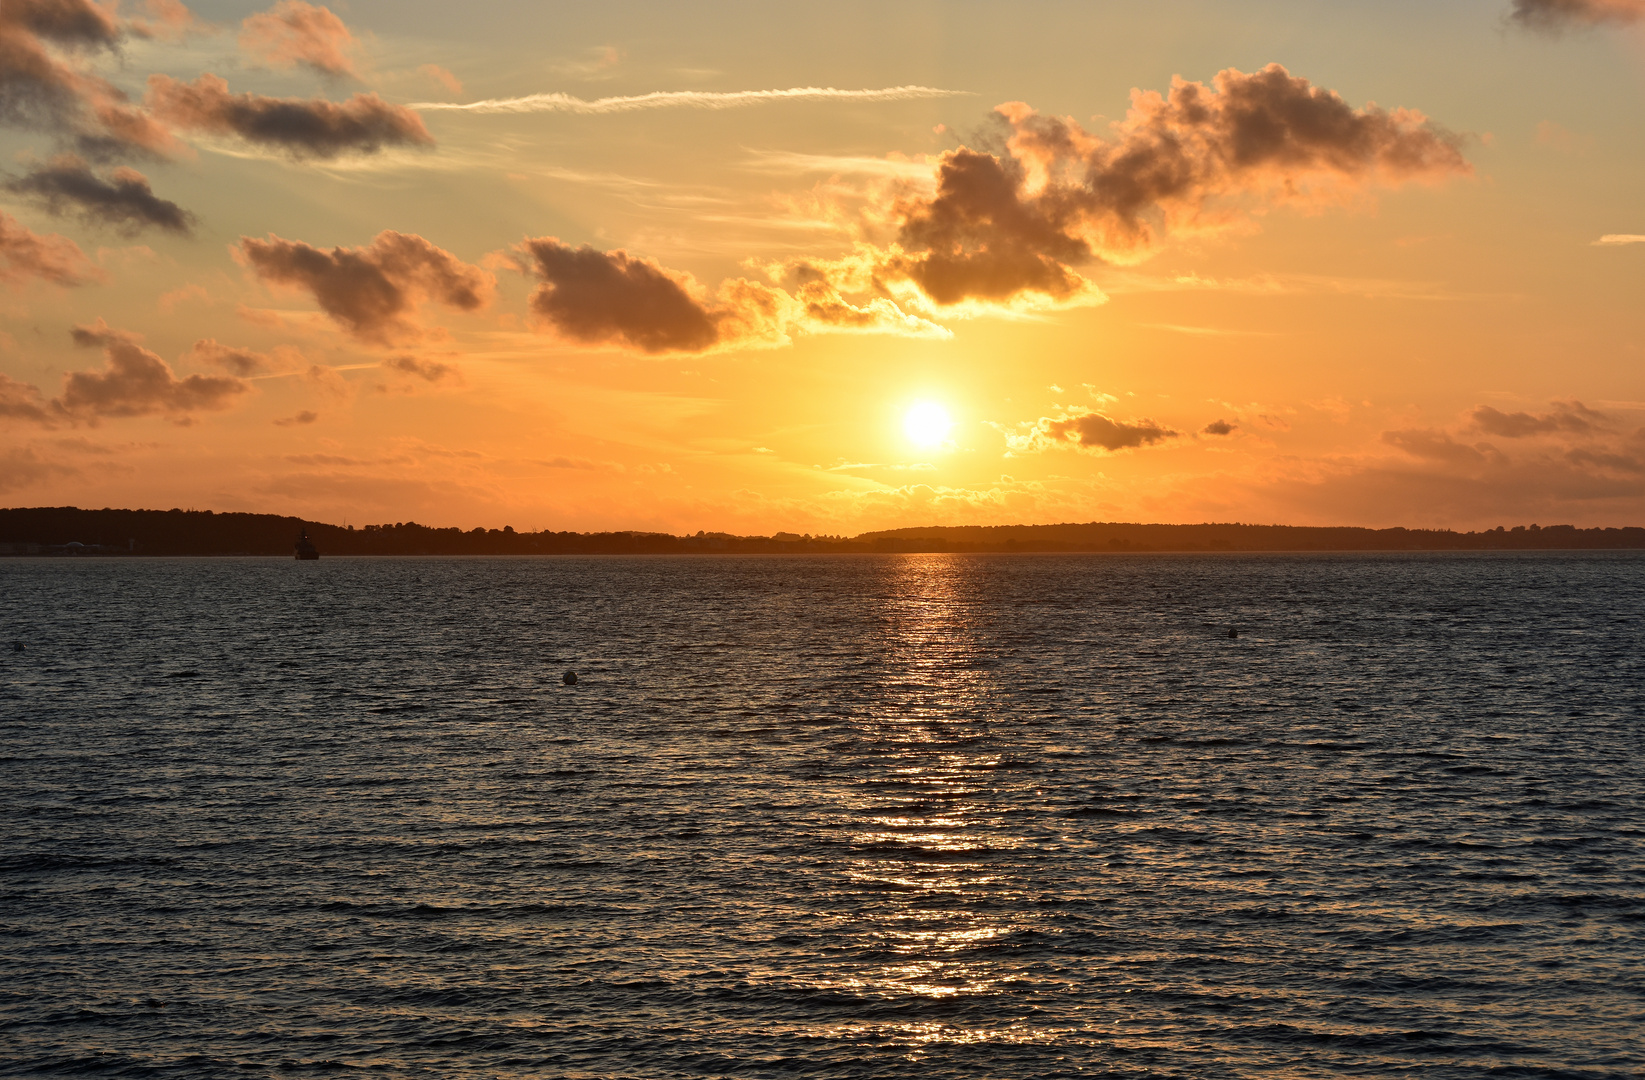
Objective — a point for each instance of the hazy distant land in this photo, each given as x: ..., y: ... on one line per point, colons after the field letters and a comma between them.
x: 69, y: 530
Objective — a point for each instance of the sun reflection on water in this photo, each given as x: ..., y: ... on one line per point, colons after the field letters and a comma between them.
x: 931, y: 876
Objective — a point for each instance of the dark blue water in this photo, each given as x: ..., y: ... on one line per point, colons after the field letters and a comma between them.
x: 856, y: 816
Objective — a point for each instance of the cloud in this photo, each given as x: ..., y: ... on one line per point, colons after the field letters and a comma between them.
x: 328, y: 382
x: 133, y: 382
x: 39, y: 91
x: 1218, y: 427
x: 1019, y: 223
x: 1085, y: 429
x: 21, y: 401
x: 1441, y: 447
x: 442, y: 76
x: 687, y: 99
x: 122, y: 200
x: 299, y: 127
x: 1560, y: 138
x: 1618, y: 240
x: 1003, y: 230
x: 600, y: 297
x: 824, y: 310
x: 427, y: 370
x: 1555, y: 15
x: 292, y: 32
x: 1579, y: 469
x: 22, y: 467
x: 373, y: 292
x: 169, y: 300
x: 96, y: 334
x: 25, y: 255
x: 136, y: 382
x: 69, y: 22
x: 1096, y: 431
x: 241, y: 362
x: 307, y: 416
x: 615, y: 298
x: 167, y: 20
x: 1568, y: 416
x: 598, y: 62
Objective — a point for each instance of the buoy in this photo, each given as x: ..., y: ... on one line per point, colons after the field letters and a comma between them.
x: 1232, y: 633
x: 17, y: 646
x: 569, y: 678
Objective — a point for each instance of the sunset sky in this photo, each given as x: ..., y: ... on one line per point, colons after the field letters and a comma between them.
x: 691, y: 266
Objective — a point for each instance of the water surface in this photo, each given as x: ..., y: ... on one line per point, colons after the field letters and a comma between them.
x: 934, y: 816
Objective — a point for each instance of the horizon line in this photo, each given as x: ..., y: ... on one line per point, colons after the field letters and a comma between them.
x: 507, y: 529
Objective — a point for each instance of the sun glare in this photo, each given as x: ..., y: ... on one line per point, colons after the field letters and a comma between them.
x: 927, y: 424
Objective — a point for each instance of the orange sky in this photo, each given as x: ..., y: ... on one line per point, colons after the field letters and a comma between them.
x: 680, y: 268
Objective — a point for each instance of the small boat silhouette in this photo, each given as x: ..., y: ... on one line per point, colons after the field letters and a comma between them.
x: 306, y: 549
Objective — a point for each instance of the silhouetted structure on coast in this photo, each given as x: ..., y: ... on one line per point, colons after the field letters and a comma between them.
x: 67, y: 530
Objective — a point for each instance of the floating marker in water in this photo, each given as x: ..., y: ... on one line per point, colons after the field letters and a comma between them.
x: 17, y: 646
x: 1232, y: 632
x: 569, y: 678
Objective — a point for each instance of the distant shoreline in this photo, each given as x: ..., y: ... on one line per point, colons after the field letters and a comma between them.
x: 70, y: 531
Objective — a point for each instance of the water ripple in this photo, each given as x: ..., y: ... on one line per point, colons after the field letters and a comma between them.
x: 861, y: 817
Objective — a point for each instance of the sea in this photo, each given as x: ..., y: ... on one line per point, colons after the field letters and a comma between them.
x: 1017, y: 816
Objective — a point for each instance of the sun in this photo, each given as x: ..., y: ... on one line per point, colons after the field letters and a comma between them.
x: 927, y: 424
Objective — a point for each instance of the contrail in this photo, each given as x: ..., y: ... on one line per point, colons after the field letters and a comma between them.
x: 688, y: 99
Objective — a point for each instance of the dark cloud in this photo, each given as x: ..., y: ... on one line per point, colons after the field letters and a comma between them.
x: 1018, y: 224
x: 94, y: 335
x: 21, y: 401
x: 67, y: 22
x: 1586, y: 459
x: 597, y: 296
x: 1054, y: 197
x: 427, y: 370
x: 26, y: 255
x: 601, y: 297
x: 1610, y: 460
x: 1437, y: 494
x: 241, y: 362
x: 1086, y: 430
x: 1447, y: 477
x: 41, y: 91
x: 292, y: 32
x: 123, y: 200
x: 133, y: 382
x: 299, y: 127
x: 1096, y: 431
x: 1440, y: 447
x: 136, y: 382
x: 1553, y: 15
x: 304, y: 417
x: 1218, y: 427
x: 1568, y: 416
x: 372, y: 291
x: 979, y: 237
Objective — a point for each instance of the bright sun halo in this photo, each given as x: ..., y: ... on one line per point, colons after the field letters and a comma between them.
x: 926, y: 424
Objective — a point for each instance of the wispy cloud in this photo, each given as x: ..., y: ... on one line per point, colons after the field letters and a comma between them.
x: 783, y: 161
x: 1208, y: 331
x: 1618, y: 239
x: 682, y: 99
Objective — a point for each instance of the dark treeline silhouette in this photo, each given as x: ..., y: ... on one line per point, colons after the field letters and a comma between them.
x: 67, y: 530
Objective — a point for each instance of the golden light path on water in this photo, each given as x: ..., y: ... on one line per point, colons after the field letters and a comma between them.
x: 929, y: 836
